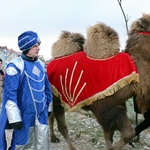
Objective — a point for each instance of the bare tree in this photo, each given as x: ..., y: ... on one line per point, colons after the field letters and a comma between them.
x: 126, y: 18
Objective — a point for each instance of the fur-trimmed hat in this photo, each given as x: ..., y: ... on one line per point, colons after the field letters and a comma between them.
x: 27, y: 40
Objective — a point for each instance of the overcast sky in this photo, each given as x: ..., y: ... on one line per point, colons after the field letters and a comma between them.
x: 50, y: 17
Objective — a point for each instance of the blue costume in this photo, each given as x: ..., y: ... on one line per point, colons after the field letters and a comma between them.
x: 27, y: 99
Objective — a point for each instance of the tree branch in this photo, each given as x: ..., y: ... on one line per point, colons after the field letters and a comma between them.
x: 126, y: 18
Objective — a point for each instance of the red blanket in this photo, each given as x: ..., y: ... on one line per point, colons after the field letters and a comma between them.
x: 80, y: 80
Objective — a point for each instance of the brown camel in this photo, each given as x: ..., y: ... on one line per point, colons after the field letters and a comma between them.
x: 110, y: 110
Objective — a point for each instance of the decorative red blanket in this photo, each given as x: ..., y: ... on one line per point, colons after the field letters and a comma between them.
x: 79, y: 80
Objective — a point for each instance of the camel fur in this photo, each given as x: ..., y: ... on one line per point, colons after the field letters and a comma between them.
x: 68, y: 43
x: 137, y: 46
x: 110, y: 111
x: 102, y: 42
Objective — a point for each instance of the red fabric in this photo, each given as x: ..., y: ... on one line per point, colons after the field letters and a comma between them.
x: 89, y: 77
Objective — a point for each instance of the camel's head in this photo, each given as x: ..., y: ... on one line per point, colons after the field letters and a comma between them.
x: 68, y: 43
x: 138, y: 43
x: 102, y: 41
x: 141, y: 25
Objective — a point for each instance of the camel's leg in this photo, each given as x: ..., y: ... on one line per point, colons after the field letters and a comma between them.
x: 144, y: 124
x: 108, y: 138
x: 62, y: 127
x: 59, y: 114
x: 53, y: 137
x: 127, y: 133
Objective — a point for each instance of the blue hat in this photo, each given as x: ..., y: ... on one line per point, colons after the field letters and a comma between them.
x: 27, y: 40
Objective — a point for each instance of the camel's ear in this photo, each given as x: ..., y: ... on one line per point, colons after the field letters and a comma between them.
x: 144, y: 23
x: 139, y: 22
x: 139, y: 25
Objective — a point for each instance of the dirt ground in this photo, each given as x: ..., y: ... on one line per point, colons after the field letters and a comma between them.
x: 87, y: 135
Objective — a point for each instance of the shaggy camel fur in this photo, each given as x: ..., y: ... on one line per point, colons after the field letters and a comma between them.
x: 138, y: 47
x: 110, y: 111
